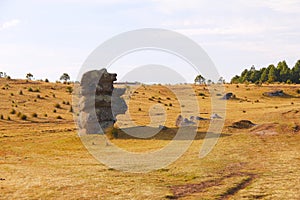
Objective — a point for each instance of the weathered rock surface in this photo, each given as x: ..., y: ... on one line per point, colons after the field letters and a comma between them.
x: 99, y: 102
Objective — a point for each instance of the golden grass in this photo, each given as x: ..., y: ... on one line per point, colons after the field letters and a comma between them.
x: 43, y: 158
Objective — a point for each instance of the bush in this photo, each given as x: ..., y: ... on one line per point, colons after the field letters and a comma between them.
x: 46, y: 80
x: 45, y: 115
x: 11, y: 94
x: 20, y: 92
x: 168, y: 98
x: 170, y: 104
x: 140, y: 109
x: 30, y: 89
x: 34, y: 115
x: 38, y: 96
x: 63, y: 102
x: 57, y: 105
x: 298, y: 91
x: 23, y: 117
x: 1, y: 116
x: 58, y: 117
x: 13, y: 111
x: 71, y: 109
x: 54, y: 110
x: 69, y: 89
x: 8, y: 118
x: 202, y: 94
x: 19, y: 114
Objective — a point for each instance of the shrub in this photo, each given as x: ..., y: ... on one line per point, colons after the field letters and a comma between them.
x: 54, y: 110
x: 57, y: 105
x: 45, y: 115
x: 166, y: 104
x: 170, y: 104
x: 34, y: 115
x: 298, y: 91
x: 168, y: 98
x: 140, y: 109
x: 53, y: 95
x: 46, y: 80
x: 11, y: 94
x: 158, y: 101
x: 8, y: 118
x: 13, y: 111
x: 71, y: 109
x: 69, y: 89
x: 38, y: 96
x: 63, y: 102
x: 19, y: 114
x: 58, y: 117
x: 30, y: 89
x: 35, y: 100
x: 20, y: 92
x: 67, y: 103
x: 23, y: 117
x: 202, y: 94
x: 1, y: 116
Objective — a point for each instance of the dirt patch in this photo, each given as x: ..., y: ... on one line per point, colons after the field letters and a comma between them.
x: 188, y: 189
x: 233, y: 190
x: 243, y: 124
x: 291, y: 113
x: 266, y: 129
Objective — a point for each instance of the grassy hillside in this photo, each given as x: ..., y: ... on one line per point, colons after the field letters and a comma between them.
x: 43, y: 158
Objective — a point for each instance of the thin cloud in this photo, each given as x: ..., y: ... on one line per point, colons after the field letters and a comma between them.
x: 9, y: 24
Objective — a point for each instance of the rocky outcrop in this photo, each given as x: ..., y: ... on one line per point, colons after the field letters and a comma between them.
x: 99, y: 102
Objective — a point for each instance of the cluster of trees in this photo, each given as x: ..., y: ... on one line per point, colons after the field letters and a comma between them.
x: 282, y: 73
x: 64, y: 77
x: 201, y: 80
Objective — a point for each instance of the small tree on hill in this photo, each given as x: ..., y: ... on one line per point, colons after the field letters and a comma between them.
x: 65, y: 77
x: 199, y: 79
x: 29, y: 76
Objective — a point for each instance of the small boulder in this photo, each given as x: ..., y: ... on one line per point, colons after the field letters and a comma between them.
x: 243, y: 124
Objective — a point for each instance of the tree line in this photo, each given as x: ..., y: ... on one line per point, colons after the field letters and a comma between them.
x: 29, y: 76
x: 281, y: 73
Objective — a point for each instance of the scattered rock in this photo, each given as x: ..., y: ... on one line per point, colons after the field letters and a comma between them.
x: 201, y: 118
x: 228, y: 96
x: 243, y: 124
x: 276, y: 93
x: 161, y: 127
x: 215, y: 116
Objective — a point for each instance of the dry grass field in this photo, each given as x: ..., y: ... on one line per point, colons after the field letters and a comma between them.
x: 42, y: 157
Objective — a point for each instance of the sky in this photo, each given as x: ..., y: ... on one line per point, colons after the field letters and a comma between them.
x: 50, y: 37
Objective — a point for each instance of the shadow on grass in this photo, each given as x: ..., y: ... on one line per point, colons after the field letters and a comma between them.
x: 149, y: 133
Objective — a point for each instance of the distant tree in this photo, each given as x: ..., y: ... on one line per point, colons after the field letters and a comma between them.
x: 199, y: 79
x: 29, y: 76
x: 3, y: 75
x: 283, y: 71
x: 221, y: 80
x: 264, y: 75
x: 235, y: 79
x: 272, y: 74
x: 65, y: 77
x: 295, y: 73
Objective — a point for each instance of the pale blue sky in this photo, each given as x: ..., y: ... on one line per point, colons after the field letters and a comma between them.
x: 50, y: 37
